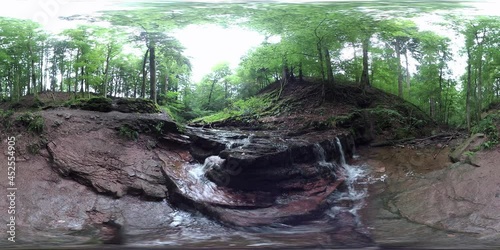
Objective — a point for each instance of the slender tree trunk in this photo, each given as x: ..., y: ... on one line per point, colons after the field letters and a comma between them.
x: 76, y: 73
x: 440, y: 95
x: 364, y: 75
x: 321, y: 63
x: 301, y: 72
x: 329, y: 70
x: 356, y: 66
x: 408, y: 84
x: 106, y: 72
x: 210, y: 94
x: 152, y: 73
x: 399, y: 70
x: 144, y: 76
x: 82, y: 80
x: 33, y: 76
x: 468, y: 89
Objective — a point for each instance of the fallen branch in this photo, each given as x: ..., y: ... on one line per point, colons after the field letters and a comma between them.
x: 391, y: 142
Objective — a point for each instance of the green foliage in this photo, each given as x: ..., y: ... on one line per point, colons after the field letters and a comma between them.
x: 33, y: 122
x: 5, y: 118
x: 253, y: 107
x: 128, y: 133
x: 489, y: 127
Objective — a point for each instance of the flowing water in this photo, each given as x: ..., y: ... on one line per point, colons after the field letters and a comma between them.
x: 339, y: 226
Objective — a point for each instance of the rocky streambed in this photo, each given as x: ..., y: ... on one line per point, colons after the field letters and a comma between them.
x: 136, y: 179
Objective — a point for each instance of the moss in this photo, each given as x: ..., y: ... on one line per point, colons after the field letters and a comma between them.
x: 99, y: 104
x: 128, y: 105
x: 242, y: 110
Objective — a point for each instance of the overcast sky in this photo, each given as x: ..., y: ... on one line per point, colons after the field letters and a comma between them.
x: 205, y: 45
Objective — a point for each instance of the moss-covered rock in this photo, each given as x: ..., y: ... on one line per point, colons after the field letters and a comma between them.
x: 100, y: 104
x: 136, y: 106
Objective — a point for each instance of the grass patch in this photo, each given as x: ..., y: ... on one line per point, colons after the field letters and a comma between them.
x: 253, y: 107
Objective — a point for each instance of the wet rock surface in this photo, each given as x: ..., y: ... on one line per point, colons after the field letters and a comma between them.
x: 257, y: 179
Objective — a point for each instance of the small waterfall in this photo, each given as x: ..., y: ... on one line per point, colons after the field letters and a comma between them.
x: 356, y: 182
x: 342, y: 156
x: 320, y: 154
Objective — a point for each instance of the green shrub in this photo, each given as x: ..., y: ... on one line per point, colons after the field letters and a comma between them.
x: 488, y: 127
x: 33, y: 122
x: 5, y: 116
x: 128, y: 133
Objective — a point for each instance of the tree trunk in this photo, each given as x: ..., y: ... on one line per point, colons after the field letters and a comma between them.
x: 355, y: 59
x: 143, y: 86
x: 152, y: 73
x: 321, y: 63
x: 399, y: 69
x: 211, y: 92
x: 364, y: 75
x: 440, y: 95
x: 33, y: 76
x: 82, y: 80
x: 106, y: 72
x: 468, y: 89
x: 329, y: 70
x: 407, y: 72
x: 301, y: 72
x: 76, y: 74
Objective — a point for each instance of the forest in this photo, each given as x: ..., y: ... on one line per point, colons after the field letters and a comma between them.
x: 138, y: 57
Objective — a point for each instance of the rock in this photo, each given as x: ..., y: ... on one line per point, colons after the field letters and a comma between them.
x: 105, y: 165
x: 260, y: 181
x: 461, y: 198
x: 470, y: 145
x: 49, y: 205
x: 111, y: 233
x: 135, y: 106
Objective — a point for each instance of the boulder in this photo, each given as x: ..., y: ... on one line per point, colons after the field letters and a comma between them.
x: 460, y: 198
x: 463, y: 151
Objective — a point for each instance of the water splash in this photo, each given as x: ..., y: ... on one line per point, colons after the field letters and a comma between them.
x: 320, y: 155
x: 356, y: 182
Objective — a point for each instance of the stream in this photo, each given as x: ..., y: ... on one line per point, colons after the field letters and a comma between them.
x: 339, y: 225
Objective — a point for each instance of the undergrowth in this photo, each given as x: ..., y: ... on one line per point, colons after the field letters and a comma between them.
x: 488, y: 126
x: 128, y: 133
x: 34, y: 122
x: 253, y: 107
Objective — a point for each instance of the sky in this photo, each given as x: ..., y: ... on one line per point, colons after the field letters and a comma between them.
x: 225, y: 45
